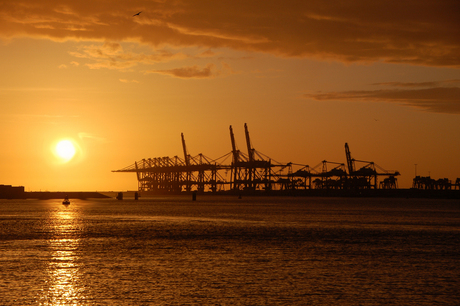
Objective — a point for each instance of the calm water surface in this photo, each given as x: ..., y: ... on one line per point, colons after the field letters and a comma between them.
x: 229, y: 251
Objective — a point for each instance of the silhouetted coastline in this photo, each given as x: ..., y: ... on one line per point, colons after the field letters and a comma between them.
x: 369, y: 193
x: 10, y: 192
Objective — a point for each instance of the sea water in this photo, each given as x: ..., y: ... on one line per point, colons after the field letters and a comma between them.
x: 229, y: 251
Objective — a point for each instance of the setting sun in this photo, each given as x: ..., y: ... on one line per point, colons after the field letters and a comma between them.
x: 121, y: 83
x: 65, y: 150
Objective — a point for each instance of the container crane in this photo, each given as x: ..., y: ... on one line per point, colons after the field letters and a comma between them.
x: 366, y: 176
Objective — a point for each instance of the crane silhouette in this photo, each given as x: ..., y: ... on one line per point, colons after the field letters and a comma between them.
x: 137, y: 14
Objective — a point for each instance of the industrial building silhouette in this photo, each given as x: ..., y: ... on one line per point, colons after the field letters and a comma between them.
x: 255, y: 172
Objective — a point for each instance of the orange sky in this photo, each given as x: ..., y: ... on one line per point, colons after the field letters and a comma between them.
x: 306, y: 76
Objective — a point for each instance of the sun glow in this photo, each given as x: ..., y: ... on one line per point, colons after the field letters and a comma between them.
x: 65, y: 150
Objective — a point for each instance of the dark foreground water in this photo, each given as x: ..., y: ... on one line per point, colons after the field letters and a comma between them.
x: 229, y: 251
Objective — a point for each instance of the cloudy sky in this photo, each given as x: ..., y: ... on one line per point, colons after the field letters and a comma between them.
x: 306, y: 76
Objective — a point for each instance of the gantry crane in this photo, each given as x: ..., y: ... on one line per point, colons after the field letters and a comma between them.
x: 255, y: 171
x: 366, y: 176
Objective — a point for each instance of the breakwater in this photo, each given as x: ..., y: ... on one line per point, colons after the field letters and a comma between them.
x: 409, y: 193
x: 46, y: 195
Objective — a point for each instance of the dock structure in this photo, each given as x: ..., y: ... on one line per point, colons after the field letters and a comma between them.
x: 252, y: 172
x: 428, y: 183
x: 200, y: 173
x: 176, y: 175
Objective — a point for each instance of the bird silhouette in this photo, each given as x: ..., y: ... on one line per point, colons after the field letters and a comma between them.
x: 137, y: 14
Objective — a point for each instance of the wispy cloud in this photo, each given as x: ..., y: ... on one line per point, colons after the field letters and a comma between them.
x: 440, y: 99
x: 419, y: 84
x: 111, y: 55
x: 195, y: 72
x: 83, y: 135
x: 192, y: 72
x: 416, y: 32
x: 128, y: 81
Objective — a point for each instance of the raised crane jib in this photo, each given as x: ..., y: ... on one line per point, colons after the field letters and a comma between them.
x: 186, y: 155
x: 350, y: 162
x: 234, y: 150
x: 248, y: 143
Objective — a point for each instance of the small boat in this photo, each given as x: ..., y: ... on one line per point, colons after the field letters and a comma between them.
x: 66, y: 201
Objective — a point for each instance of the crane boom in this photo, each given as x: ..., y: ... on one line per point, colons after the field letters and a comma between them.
x: 186, y: 156
x: 235, y: 161
x: 248, y: 143
x: 234, y: 150
x: 350, y: 162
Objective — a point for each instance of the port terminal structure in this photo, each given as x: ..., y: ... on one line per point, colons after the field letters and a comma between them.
x: 254, y: 172
x: 428, y: 183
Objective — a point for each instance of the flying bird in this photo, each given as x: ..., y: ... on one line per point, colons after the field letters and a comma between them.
x: 137, y: 14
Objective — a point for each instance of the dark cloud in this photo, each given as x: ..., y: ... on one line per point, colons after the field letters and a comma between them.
x: 433, y: 99
x: 419, y: 84
x: 411, y: 31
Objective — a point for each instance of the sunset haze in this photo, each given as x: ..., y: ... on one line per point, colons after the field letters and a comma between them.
x: 306, y: 76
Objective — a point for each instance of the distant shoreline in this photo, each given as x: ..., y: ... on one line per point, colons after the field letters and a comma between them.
x: 46, y: 195
x: 361, y: 193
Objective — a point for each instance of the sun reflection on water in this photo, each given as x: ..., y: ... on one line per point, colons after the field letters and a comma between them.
x: 64, y: 284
